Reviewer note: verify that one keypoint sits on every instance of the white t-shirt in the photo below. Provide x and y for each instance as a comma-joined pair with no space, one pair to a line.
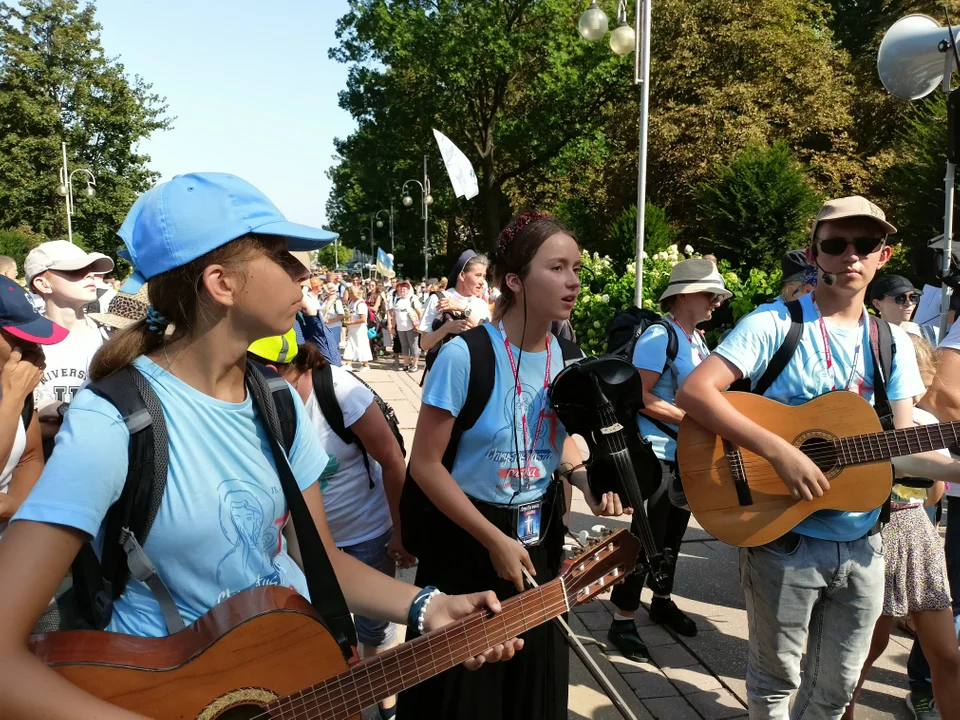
358,311
404,307
355,513
479,310
330,318
67,363
16,452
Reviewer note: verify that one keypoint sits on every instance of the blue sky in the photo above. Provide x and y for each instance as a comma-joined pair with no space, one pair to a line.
250,85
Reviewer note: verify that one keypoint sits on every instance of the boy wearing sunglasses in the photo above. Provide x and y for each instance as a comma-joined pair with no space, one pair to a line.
818,588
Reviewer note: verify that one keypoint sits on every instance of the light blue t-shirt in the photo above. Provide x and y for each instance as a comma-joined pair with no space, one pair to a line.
486,463
218,529
650,353
756,338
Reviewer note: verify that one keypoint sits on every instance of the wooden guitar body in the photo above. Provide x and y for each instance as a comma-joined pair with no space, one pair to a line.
737,496
250,650
264,653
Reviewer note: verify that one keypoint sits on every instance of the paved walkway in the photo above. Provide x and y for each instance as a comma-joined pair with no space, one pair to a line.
687,678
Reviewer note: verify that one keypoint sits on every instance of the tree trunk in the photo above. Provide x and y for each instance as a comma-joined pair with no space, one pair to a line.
491,202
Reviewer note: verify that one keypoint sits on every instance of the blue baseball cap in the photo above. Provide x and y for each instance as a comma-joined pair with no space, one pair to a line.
20,318
180,220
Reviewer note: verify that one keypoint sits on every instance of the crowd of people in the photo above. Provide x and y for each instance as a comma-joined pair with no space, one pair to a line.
215,313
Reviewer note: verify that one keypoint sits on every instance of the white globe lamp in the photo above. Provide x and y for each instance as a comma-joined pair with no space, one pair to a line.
593,23
623,39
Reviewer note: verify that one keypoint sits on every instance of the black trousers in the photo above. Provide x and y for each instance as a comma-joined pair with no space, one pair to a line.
531,686
668,523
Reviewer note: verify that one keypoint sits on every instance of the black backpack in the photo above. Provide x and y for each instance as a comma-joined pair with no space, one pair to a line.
628,325
421,522
625,329
98,583
327,399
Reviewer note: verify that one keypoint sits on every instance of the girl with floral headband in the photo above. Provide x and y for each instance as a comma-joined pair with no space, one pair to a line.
499,506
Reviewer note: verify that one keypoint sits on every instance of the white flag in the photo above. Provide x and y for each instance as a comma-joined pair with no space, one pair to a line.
462,176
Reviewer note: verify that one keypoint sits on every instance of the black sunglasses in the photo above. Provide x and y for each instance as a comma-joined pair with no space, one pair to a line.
863,245
911,297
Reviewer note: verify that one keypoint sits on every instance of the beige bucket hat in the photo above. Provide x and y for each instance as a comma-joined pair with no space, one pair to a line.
693,276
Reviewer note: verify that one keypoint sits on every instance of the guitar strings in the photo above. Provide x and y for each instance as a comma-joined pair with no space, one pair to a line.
881,441
326,698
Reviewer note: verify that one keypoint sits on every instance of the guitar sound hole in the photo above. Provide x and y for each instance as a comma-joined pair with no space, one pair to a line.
822,452
242,712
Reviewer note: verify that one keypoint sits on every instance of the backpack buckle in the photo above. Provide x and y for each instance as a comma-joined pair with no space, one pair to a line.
102,608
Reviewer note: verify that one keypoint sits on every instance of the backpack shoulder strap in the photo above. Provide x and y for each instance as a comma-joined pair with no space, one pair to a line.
673,344
286,409
26,414
483,369
881,343
327,400
129,520
326,396
569,350
325,593
783,354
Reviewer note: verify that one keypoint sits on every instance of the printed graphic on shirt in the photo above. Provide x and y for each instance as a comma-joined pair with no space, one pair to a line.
511,463
246,519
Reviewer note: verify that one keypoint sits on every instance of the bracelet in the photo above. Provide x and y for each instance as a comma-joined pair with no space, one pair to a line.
418,608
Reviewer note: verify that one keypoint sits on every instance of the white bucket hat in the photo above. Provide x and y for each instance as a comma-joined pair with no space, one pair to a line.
693,276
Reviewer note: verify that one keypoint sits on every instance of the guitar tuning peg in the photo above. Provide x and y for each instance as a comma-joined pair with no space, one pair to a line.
584,537
568,548
599,530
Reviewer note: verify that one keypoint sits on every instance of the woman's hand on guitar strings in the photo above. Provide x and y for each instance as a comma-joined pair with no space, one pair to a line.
799,473
509,557
445,609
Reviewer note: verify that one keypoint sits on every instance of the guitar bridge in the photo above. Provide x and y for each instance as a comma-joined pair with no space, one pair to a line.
738,472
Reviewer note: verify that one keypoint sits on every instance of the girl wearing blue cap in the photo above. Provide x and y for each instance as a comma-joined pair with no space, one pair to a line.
216,253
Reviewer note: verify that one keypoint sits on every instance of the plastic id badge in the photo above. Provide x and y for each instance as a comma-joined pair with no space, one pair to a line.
528,523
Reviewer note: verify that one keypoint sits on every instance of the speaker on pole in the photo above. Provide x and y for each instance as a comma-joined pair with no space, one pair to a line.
914,55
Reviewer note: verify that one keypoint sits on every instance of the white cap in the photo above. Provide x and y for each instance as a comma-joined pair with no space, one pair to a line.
63,255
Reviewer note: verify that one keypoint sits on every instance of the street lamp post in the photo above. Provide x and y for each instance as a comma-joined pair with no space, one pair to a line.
593,26
66,188
426,200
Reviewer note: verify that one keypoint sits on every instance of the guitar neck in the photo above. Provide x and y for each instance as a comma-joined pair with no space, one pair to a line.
896,443
404,666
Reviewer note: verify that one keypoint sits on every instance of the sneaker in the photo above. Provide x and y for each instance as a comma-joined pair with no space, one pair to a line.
921,707
625,638
348,368
364,368
666,612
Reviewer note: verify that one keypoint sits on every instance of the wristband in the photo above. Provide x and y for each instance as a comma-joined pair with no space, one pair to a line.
418,608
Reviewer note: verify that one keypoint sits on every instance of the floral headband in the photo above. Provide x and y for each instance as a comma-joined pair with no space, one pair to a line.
510,232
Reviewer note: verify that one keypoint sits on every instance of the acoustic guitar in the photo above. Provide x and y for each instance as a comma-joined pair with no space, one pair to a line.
264,653
737,496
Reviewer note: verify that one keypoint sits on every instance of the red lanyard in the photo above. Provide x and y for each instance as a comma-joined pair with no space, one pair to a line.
698,345
828,355
528,450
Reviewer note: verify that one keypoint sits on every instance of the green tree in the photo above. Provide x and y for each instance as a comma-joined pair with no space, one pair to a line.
758,207
329,255
18,242
510,82
57,85
658,234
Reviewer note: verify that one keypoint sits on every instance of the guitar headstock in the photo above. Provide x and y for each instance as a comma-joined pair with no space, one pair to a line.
601,565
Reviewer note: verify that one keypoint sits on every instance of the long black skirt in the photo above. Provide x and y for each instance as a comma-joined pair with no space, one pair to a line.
531,686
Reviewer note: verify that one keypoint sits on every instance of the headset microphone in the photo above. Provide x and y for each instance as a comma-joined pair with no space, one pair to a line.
828,277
